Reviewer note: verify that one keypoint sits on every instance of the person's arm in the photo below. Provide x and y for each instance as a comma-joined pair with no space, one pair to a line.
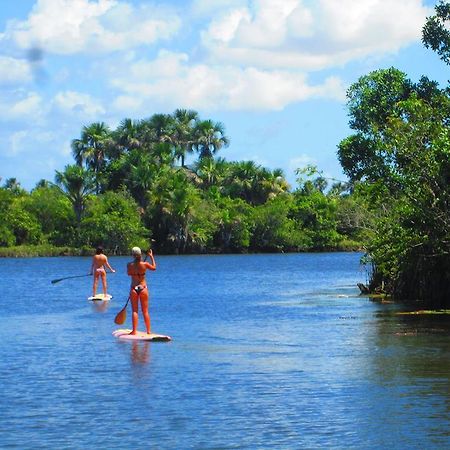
92,267
152,265
108,266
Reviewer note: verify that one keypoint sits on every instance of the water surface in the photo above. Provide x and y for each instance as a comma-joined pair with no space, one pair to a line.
268,351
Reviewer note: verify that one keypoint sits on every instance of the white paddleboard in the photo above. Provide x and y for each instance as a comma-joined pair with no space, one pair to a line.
100,298
140,336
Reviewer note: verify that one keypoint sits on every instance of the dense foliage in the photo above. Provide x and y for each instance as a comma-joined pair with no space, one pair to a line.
131,184
400,158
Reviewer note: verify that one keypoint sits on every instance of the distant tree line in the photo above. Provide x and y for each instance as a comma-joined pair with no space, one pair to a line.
129,185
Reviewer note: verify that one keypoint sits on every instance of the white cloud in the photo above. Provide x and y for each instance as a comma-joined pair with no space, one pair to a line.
127,104
14,71
72,26
20,105
311,35
71,102
172,81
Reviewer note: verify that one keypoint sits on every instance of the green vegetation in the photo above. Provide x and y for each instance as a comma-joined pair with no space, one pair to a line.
131,184
399,159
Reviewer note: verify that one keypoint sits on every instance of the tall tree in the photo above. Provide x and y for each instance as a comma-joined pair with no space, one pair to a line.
91,149
183,132
209,138
77,184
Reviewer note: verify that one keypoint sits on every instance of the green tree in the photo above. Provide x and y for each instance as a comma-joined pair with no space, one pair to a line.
7,238
113,220
54,212
401,152
274,228
77,184
435,33
209,138
91,149
184,122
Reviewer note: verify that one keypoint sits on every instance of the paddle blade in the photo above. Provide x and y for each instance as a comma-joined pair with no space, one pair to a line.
121,316
57,281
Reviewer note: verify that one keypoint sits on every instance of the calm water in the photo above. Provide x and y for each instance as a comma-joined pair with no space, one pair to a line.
268,351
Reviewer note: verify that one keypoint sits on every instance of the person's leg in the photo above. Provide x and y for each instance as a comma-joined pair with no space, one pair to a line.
94,287
134,307
144,308
104,283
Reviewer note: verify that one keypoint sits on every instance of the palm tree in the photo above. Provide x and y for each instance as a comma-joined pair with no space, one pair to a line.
141,177
157,128
211,171
209,138
90,150
183,132
13,185
128,136
77,184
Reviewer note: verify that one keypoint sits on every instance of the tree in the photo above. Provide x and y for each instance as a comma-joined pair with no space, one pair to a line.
212,171
209,138
126,137
157,128
435,33
77,184
274,229
401,152
253,183
91,149
13,185
113,220
54,212
183,132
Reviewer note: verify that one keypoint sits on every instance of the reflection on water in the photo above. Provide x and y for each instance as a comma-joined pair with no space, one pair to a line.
268,351
140,352
100,307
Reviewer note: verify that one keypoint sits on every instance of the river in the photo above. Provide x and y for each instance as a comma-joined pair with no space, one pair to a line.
268,351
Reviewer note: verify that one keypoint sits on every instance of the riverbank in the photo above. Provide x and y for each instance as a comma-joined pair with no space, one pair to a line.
29,251
46,250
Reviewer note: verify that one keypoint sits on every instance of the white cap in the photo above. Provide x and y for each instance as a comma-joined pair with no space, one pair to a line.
136,251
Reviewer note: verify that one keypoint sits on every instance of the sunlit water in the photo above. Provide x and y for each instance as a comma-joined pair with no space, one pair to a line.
268,351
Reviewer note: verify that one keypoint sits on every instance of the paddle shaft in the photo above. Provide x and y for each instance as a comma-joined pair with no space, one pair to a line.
73,276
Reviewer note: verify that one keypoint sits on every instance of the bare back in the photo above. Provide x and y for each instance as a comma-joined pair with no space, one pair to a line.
98,261
136,270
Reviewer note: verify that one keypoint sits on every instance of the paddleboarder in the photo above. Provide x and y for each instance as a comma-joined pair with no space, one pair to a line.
99,262
138,289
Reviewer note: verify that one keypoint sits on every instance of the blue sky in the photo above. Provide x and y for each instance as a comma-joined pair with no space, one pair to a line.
274,72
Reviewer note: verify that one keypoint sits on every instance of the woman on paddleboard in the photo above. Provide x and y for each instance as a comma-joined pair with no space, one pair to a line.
99,262
138,290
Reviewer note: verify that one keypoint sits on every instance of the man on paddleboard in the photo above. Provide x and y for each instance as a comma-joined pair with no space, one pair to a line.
99,262
138,290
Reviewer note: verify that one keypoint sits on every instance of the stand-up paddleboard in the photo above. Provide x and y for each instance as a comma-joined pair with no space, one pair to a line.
100,298
140,336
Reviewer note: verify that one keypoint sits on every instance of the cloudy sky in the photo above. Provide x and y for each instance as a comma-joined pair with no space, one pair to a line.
274,72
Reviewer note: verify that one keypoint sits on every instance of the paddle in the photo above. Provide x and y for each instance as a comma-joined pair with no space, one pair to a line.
66,278
122,314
